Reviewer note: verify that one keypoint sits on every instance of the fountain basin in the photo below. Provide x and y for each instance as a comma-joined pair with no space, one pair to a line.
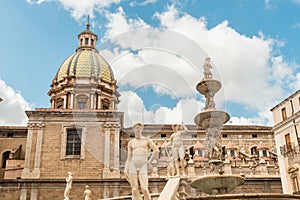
208,85
211,118
218,184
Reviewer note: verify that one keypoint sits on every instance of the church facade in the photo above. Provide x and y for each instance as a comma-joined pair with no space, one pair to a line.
82,132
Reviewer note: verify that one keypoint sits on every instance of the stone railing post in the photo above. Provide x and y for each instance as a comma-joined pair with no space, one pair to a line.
154,173
191,168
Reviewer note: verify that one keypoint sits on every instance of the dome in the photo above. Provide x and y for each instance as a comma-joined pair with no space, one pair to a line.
84,80
85,63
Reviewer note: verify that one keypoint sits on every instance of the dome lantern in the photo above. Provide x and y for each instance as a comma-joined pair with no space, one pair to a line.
87,39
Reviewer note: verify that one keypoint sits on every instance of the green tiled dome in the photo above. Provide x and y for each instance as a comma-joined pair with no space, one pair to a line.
84,80
85,63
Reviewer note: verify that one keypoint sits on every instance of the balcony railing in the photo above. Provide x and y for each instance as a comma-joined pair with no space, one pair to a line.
289,149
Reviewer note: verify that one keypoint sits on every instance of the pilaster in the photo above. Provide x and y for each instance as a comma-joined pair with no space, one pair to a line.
34,194
26,170
111,151
92,101
107,144
72,101
116,146
106,192
23,194
65,101
37,161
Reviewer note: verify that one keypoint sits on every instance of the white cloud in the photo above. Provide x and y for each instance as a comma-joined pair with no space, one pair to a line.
142,3
296,1
263,118
247,66
296,25
170,58
296,84
81,8
37,1
134,110
164,71
118,24
165,59
13,106
269,5
250,69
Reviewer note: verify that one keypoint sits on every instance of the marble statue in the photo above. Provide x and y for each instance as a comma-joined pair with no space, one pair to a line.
87,193
177,147
171,168
210,103
69,180
137,164
212,137
216,152
207,69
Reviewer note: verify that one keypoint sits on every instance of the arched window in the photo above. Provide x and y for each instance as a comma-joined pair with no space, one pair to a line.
59,103
97,100
223,151
192,151
254,151
82,101
5,156
232,152
200,153
105,104
68,98
264,153
293,172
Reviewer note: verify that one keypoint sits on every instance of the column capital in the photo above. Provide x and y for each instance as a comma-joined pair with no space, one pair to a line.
107,125
117,125
31,125
40,125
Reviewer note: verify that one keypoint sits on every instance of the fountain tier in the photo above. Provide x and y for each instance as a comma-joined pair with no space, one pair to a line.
218,184
208,86
211,118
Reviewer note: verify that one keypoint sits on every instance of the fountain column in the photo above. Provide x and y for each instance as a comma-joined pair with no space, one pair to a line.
212,120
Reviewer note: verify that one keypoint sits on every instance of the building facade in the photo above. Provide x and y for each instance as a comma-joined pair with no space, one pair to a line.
82,132
286,130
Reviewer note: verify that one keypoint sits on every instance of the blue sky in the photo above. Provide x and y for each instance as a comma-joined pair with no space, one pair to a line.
253,44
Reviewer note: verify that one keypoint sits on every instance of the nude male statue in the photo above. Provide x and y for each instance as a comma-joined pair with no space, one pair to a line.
137,164
177,147
69,180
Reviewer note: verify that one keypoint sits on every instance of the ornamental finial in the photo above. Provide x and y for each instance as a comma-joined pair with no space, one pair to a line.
88,23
